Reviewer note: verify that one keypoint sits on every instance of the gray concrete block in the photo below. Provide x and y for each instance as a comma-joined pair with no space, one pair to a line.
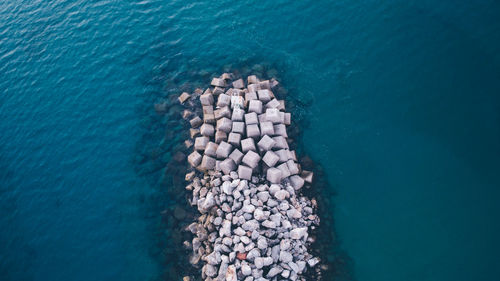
200,143
255,106
223,100
266,128
274,103
273,115
217,82
236,155
273,175
207,130
293,155
222,112
253,87
223,150
265,84
262,117
239,84
237,101
251,118
194,158
224,124
234,139
282,105
244,172
209,118
211,149
288,118
195,122
307,176
238,127
207,99
194,132
184,97
282,117
252,79
208,109
238,114
253,131
296,182
284,155
270,158
264,95
247,145
227,166
220,136
217,91
251,159
292,167
284,170
207,163
266,143
227,76
280,130
281,142
250,96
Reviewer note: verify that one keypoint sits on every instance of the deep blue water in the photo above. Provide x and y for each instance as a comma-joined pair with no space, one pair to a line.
402,98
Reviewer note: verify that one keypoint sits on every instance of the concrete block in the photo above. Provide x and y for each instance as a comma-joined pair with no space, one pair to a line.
207,99
266,128
288,118
255,106
274,83
220,136
207,130
282,105
280,130
265,84
239,84
281,142
251,159
207,163
293,155
238,114
247,145
200,143
251,118
222,112
186,114
227,166
284,170
266,143
223,100
252,79
210,149
194,158
238,127
274,103
234,139
227,76
224,124
237,101
208,109
184,97
262,118
296,182
244,172
282,117
273,115
209,118
217,165
273,175
307,176
195,122
250,96
217,82
284,155
292,167
223,150
270,158
236,155
194,132
253,131
217,91
264,95
253,88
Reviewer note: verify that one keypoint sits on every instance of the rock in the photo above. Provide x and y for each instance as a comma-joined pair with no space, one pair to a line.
259,215
260,262
255,106
237,102
273,175
223,150
210,149
225,229
307,176
284,155
244,172
294,267
227,166
213,258
296,181
238,114
239,84
312,262
292,167
250,225
248,144
288,119
284,170
280,142
206,203
194,158
252,79
209,270
274,271
266,143
224,124
241,256
269,224
200,143
195,122
251,159
253,131
236,155
231,273
234,139
207,130
281,194
274,103
184,97
262,243
298,233
285,256
248,208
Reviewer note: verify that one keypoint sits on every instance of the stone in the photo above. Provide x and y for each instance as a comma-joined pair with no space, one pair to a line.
217,91
231,273
274,103
252,79
281,194
239,127
209,270
244,172
270,158
285,256
195,122
266,143
184,97
274,271
223,150
207,99
292,167
220,136
218,82
253,131
255,106
298,233
234,139
273,115
200,143
227,76
280,130
223,100
222,112
251,159
296,182
266,128
211,149
209,118
236,155
312,262
259,215
227,166
251,118
273,175
269,224
207,130
239,84
194,158
262,243
264,95
238,114
207,163
247,145
260,262
265,84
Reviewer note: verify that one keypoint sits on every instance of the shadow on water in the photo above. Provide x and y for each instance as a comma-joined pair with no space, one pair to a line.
160,158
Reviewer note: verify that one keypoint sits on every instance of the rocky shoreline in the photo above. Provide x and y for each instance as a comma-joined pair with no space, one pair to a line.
254,223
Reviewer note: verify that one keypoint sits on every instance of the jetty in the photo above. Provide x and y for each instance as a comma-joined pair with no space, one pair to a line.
246,183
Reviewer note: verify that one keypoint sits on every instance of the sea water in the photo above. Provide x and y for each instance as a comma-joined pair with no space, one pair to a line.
400,99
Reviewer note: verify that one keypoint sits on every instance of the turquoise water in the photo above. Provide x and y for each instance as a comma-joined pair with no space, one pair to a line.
402,102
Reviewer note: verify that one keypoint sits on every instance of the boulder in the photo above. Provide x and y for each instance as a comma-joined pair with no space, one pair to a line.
253,88
298,233
223,150
307,176
284,155
194,132
251,159
288,118
224,124
250,96
244,172
265,84
211,149
284,170
194,158
273,175
293,167
255,106
251,118
252,79
234,139
264,95
239,84
200,143
266,128
236,155
280,142
253,131
207,130
208,109
209,118
270,158
227,166
238,127
184,97
266,143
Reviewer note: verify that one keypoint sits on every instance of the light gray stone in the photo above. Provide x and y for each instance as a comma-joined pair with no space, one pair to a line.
238,114
195,122
184,97
273,175
224,124
266,128
207,99
280,130
223,100
247,145
227,166
284,170
253,131
238,127
255,106
234,139
281,142
200,143
250,96
285,256
220,136
274,271
292,167
251,118
273,115
266,143
298,233
236,155
251,159
244,172
283,154
264,95
207,163
207,130
252,79
297,182
210,149
274,103
239,84
270,158
194,158
223,150
217,82
281,194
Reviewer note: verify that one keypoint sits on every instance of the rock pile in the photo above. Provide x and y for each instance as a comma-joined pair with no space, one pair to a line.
246,183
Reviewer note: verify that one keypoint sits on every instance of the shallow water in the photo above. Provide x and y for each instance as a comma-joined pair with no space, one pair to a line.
401,102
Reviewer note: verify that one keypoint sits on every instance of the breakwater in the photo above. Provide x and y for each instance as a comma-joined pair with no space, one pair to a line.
246,183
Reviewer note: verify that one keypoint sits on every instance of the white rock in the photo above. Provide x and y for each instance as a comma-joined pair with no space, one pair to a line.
285,256
297,182
281,194
298,233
